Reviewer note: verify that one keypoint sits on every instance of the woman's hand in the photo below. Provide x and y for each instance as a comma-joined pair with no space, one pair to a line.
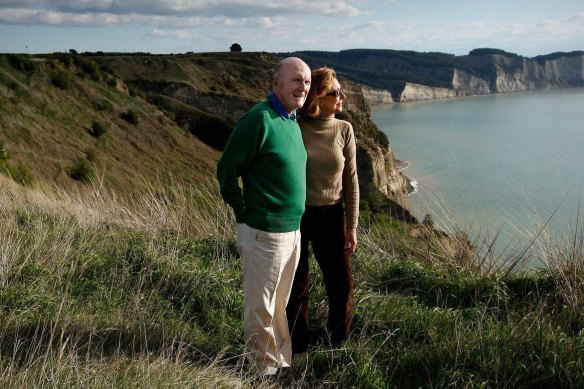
350,240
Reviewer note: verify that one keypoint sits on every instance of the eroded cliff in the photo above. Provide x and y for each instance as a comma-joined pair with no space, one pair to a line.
404,76
376,164
207,93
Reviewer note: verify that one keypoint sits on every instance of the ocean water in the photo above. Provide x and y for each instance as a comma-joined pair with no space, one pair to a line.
505,165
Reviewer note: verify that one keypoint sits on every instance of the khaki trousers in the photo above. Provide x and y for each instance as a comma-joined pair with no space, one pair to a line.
269,262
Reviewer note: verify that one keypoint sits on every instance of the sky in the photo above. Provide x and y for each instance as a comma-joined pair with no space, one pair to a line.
525,27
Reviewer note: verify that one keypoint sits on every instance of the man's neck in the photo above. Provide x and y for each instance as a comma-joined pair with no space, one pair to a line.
279,107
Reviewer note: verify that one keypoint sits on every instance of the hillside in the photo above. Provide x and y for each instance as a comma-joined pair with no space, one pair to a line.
96,293
206,93
144,291
411,76
63,121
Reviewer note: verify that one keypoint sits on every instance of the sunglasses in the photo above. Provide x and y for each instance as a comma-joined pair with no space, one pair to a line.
337,93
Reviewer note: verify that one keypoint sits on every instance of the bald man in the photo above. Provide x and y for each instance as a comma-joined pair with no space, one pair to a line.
266,150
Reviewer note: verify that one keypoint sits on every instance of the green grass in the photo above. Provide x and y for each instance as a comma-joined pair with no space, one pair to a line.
96,292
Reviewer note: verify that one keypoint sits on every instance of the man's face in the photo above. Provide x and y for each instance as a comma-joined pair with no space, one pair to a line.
291,84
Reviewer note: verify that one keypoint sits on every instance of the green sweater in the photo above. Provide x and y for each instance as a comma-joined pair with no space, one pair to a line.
267,152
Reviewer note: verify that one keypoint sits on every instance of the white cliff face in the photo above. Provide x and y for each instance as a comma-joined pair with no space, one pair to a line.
417,92
521,74
467,84
376,97
566,71
511,74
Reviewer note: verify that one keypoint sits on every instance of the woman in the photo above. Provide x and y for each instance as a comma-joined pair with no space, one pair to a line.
329,222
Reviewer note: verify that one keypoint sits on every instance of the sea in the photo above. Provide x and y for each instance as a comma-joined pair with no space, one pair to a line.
507,169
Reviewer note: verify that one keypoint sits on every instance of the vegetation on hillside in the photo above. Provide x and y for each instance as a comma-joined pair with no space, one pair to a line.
388,69
488,51
114,273
65,121
96,291
556,55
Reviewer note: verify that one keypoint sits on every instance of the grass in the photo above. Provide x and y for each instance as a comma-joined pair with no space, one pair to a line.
48,129
101,286
98,290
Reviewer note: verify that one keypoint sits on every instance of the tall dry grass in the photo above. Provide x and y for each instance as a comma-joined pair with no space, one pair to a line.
103,291
76,277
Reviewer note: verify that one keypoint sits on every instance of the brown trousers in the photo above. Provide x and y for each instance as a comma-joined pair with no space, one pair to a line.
323,227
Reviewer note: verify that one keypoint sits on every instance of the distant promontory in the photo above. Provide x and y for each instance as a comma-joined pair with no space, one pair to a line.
392,76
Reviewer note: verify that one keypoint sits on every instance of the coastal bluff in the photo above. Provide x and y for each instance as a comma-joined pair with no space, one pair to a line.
207,93
392,76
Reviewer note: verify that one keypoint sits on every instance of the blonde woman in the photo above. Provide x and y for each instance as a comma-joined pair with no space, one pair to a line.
329,223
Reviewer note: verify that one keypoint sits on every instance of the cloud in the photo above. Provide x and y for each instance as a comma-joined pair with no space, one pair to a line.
53,18
96,12
177,34
372,25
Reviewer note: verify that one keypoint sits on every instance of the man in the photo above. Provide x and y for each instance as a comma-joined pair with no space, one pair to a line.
266,150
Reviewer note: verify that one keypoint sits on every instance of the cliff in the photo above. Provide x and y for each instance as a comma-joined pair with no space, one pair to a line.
403,76
505,74
207,93
376,97
417,92
511,73
376,165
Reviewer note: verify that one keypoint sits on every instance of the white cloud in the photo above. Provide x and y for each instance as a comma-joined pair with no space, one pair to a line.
372,25
53,18
178,34
53,12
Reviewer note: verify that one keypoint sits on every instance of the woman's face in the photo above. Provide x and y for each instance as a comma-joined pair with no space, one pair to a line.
333,101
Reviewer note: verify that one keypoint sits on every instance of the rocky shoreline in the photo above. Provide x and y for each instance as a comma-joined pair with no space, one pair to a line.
412,183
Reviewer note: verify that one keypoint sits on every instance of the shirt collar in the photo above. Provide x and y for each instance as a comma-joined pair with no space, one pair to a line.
280,108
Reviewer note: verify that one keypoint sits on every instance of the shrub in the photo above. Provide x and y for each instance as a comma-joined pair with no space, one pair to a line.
61,80
89,67
20,174
65,59
22,63
428,220
102,105
130,116
97,129
132,92
81,171
112,82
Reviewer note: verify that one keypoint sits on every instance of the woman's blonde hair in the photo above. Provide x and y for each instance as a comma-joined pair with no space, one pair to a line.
321,83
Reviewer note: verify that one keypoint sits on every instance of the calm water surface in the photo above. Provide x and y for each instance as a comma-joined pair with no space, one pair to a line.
494,164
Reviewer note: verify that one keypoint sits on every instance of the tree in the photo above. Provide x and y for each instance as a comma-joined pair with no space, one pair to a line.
235,48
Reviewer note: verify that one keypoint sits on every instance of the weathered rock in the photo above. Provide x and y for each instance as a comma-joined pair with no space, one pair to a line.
376,165
495,73
376,97
467,84
417,92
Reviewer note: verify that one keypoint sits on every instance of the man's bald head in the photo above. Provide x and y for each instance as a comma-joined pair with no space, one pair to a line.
291,82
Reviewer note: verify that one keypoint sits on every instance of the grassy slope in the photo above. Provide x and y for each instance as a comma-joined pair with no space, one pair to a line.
245,75
47,128
99,290
98,293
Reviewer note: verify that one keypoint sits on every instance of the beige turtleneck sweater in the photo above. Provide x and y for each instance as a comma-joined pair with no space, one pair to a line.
331,170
